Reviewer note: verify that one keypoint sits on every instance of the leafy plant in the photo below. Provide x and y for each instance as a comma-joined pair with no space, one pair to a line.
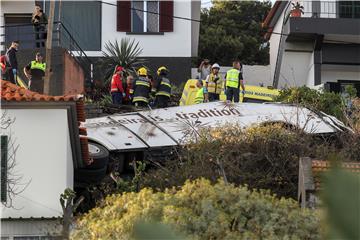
325,101
297,6
126,54
200,210
232,29
263,157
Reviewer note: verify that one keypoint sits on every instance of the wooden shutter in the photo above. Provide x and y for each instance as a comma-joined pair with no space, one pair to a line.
166,10
123,16
4,158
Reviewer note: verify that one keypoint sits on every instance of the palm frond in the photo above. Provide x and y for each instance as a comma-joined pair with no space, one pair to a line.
126,54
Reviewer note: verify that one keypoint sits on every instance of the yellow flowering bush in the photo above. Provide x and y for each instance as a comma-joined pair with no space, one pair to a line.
201,210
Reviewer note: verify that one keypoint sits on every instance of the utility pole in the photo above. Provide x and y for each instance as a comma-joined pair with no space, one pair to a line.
49,47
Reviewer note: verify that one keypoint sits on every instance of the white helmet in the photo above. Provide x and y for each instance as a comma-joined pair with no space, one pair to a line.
215,65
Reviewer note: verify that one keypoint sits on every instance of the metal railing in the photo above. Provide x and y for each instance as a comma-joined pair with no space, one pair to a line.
331,9
29,39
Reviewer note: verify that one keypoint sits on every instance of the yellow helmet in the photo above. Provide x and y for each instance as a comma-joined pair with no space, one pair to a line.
162,68
142,71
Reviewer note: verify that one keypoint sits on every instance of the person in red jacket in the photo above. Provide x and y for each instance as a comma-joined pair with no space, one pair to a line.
117,90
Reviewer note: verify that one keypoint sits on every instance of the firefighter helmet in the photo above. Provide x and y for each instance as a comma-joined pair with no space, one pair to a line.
162,69
142,71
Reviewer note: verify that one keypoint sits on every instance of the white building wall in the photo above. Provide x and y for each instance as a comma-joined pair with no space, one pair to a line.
274,45
43,158
311,74
335,75
253,74
171,44
294,69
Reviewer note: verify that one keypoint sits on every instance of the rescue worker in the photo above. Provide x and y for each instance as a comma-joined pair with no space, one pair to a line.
117,90
214,83
162,88
128,90
141,88
201,95
233,81
35,73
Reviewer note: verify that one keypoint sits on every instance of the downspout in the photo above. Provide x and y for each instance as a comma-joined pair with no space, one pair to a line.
281,48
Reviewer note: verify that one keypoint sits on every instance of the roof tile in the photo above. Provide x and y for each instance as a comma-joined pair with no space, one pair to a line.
11,92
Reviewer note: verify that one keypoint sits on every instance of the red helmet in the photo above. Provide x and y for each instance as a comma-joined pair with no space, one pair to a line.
119,68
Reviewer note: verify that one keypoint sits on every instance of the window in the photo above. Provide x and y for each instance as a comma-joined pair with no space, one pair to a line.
349,9
146,18
4,158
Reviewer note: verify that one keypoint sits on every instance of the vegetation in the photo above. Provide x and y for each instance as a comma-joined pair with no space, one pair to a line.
200,210
232,29
327,102
126,55
264,157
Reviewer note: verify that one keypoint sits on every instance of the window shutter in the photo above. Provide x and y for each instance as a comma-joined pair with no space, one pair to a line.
4,158
166,11
123,16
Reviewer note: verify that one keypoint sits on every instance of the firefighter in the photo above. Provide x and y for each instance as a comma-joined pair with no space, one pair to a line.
201,95
141,88
214,83
35,73
234,80
162,88
117,90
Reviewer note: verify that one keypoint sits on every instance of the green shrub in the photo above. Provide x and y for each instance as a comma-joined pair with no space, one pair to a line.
200,210
264,157
327,102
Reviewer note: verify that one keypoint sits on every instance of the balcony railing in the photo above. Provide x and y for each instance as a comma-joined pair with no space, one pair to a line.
61,38
331,9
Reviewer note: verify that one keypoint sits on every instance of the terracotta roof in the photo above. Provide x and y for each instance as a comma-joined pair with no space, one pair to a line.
11,92
319,167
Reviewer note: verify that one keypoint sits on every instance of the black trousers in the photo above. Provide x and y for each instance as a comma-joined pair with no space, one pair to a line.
40,36
10,76
162,101
232,94
214,97
37,85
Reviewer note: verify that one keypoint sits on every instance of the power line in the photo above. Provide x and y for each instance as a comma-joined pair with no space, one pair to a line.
156,13
197,20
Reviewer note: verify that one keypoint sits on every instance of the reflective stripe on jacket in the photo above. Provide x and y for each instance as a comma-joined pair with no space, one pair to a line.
199,98
38,65
215,86
142,88
232,78
164,88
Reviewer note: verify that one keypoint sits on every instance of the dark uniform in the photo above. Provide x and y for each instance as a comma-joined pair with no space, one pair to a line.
141,88
163,92
37,71
13,65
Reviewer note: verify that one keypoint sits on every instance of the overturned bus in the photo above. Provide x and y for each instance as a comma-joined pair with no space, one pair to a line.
136,135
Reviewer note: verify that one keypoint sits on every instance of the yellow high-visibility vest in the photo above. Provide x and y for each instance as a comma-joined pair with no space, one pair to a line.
38,65
215,86
199,96
232,78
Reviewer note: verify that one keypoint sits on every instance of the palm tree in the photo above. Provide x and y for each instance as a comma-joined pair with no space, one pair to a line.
126,55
